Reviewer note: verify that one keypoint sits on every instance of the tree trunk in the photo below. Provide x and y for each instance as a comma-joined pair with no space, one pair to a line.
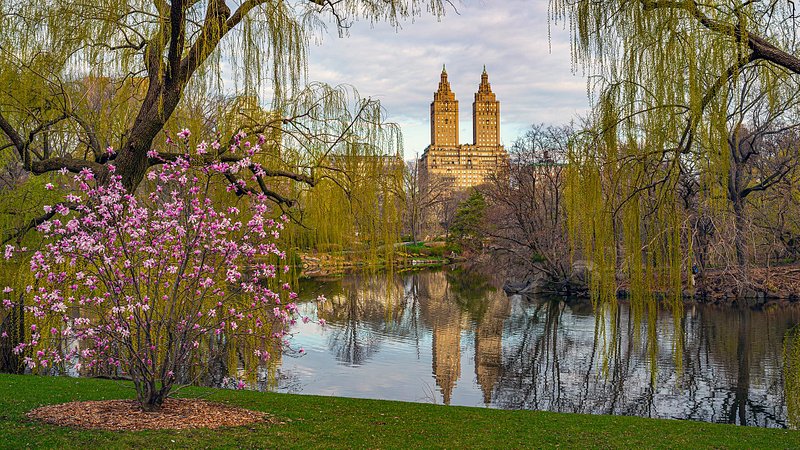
159,104
414,219
153,402
151,397
739,240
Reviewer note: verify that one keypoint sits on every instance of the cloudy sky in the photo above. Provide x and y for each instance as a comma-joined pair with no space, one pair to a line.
531,76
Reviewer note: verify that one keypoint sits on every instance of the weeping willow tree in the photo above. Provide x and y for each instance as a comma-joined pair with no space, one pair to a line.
355,199
79,77
663,69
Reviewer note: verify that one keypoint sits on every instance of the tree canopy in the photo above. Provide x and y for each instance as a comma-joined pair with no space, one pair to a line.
85,83
662,73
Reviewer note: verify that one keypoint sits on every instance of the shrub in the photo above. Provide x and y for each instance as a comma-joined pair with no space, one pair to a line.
156,286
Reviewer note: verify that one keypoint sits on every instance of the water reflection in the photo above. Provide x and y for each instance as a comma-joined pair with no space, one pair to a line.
450,337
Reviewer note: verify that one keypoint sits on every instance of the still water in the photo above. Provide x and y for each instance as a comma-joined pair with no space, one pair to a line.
449,337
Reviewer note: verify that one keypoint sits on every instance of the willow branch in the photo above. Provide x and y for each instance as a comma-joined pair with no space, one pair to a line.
94,144
215,26
762,49
176,38
687,138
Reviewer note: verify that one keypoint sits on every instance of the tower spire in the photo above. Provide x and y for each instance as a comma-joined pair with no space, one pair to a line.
444,84
485,87
485,115
444,114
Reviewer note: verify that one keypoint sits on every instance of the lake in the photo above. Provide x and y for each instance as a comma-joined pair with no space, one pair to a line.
451,337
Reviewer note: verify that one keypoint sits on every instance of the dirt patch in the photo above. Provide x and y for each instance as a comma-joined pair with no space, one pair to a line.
126,415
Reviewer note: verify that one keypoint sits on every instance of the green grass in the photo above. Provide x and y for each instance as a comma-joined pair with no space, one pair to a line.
421,249
328,422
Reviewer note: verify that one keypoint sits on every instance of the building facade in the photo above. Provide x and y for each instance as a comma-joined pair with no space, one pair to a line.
466,165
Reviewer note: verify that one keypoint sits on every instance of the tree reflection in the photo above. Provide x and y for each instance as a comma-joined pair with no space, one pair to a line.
636,357
360,311
555,361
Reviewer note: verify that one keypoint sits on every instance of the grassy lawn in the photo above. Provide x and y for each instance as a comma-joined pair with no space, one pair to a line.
327,422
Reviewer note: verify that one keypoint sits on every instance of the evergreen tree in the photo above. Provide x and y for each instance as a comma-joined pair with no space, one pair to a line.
467,223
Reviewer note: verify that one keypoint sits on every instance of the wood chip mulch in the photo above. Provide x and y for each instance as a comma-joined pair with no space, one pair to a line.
126,415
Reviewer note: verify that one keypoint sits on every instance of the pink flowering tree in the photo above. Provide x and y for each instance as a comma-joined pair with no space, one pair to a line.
152,287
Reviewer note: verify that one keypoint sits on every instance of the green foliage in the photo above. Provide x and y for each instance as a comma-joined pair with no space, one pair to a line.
666,77
421,249
466,228
116,73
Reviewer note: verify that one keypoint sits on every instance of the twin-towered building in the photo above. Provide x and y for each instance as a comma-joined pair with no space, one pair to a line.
466,164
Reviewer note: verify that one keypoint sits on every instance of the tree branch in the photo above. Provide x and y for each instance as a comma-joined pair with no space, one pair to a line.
215,26
13,136
769,181
73,165
209,159
33,223
176,38
762,49
243,189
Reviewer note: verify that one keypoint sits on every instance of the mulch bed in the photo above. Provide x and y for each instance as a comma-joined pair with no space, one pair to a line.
126,415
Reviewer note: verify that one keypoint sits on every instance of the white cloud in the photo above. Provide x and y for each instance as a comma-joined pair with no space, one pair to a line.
530,73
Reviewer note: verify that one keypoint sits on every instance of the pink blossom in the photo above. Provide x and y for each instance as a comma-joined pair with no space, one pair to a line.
123,256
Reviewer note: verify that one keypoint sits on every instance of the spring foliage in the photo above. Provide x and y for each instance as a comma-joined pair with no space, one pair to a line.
663,71
94,74
154,287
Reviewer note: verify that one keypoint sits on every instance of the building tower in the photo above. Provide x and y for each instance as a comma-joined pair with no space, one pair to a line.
485,115
444,115
467,165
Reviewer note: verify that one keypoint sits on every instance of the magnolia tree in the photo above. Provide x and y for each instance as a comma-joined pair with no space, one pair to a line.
150,287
